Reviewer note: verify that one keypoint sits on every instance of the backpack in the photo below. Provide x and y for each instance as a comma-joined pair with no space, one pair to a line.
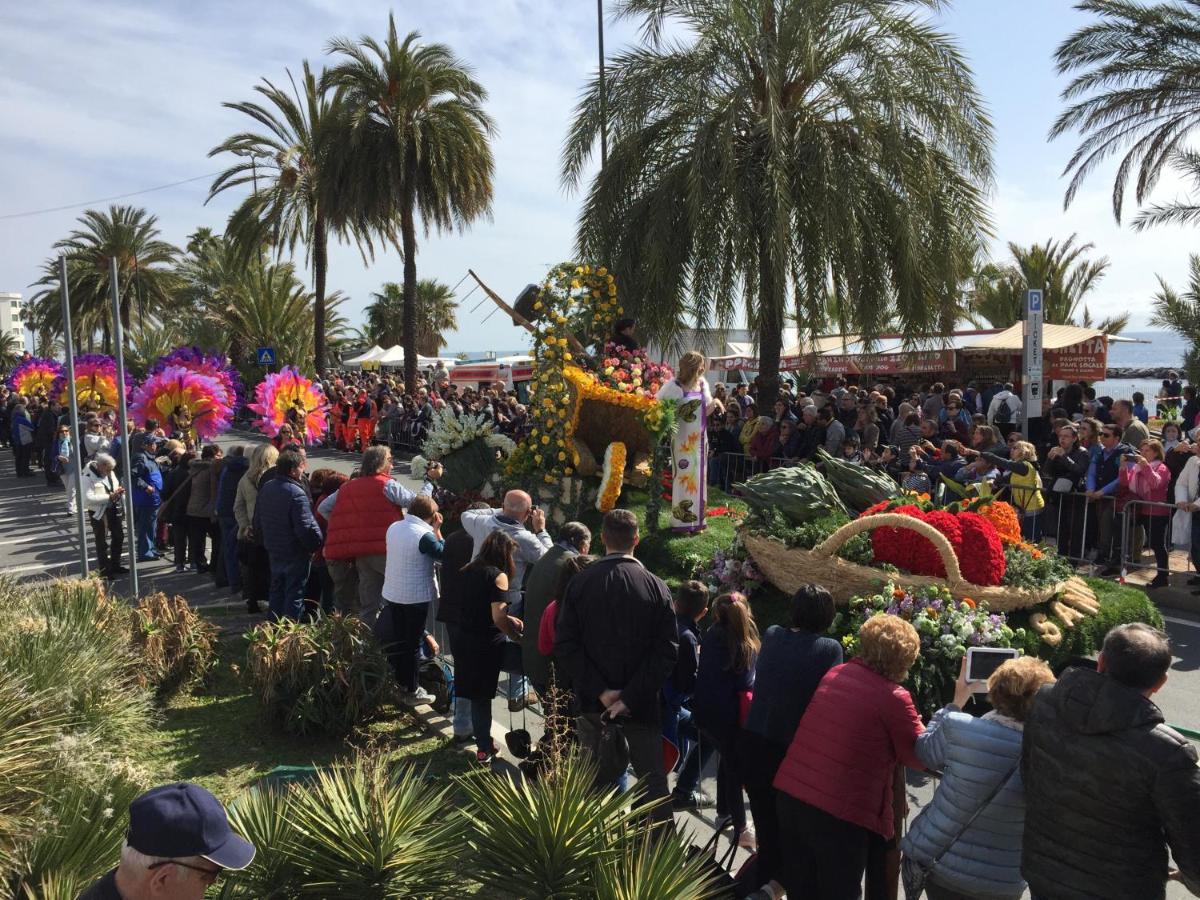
1004,413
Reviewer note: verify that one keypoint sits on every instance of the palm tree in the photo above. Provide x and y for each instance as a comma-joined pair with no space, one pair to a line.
1181,314
421,146
816,156
435,316
149,339
1063,273
1135,90
10,350
145,271
295,167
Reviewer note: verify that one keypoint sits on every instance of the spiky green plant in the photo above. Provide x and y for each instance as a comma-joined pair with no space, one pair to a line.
176,647
654,867
549,837
263,816
77,838
366,832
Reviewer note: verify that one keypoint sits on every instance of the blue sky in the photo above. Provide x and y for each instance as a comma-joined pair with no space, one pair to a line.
102,98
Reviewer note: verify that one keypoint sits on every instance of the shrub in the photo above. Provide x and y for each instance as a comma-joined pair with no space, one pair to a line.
357,831
558,837
326,677
68,642
176,647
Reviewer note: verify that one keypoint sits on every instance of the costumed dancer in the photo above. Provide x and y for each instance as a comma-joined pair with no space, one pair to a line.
366,415
286,400
689,451
200,406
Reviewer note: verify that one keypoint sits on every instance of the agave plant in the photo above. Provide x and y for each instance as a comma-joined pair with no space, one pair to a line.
365,832
263,816
652,867
552,837
77,839
176,647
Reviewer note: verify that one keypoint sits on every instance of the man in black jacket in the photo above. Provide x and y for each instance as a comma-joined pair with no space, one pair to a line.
1108,786
617,640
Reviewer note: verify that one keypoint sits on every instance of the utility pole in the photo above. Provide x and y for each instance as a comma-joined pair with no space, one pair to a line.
123,408
76,473
603,98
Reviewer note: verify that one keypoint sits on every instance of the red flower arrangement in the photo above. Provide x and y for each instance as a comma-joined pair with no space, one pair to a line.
982,563
631,371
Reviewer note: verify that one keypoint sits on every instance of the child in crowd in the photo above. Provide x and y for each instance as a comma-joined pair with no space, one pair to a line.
691,605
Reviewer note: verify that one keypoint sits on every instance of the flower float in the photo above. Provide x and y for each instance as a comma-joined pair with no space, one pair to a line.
288,397
95,382
982,563
175,395
196,360
466,446
613,477
35,375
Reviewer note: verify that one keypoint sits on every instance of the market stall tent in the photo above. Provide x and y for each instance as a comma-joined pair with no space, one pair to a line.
370,356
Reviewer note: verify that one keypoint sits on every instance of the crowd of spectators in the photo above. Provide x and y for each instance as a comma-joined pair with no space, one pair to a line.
1094,465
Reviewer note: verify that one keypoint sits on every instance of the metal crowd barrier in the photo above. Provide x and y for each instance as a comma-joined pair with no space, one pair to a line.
1133,520
727,469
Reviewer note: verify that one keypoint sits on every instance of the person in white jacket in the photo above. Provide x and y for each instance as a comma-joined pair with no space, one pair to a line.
1004,412
1185,526
94,439
102,499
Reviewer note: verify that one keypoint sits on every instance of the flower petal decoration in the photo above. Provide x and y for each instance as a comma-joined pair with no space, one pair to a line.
202,398
95,382
281,393
210,364
34,375
613,477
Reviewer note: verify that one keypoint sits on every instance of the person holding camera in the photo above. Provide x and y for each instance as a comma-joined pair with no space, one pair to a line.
967,841
1146,477
102,495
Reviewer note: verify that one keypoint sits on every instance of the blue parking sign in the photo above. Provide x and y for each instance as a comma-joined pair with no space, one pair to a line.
1035,301
266,356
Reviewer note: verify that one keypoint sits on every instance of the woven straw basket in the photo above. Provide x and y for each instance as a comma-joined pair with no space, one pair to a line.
789,567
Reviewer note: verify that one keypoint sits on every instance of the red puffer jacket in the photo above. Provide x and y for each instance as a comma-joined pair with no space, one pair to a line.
359,522
857,726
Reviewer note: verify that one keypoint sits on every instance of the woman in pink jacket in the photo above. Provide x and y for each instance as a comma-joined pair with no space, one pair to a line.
1146,477
834,788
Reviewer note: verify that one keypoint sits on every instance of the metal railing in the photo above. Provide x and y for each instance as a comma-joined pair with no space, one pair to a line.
1137,533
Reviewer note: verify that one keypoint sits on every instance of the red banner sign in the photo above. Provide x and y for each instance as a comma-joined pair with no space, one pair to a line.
1086,361
885,363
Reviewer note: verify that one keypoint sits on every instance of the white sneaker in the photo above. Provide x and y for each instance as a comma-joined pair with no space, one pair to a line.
419,697
747,840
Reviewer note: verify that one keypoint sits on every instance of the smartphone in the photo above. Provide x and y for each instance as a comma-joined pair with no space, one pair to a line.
983,661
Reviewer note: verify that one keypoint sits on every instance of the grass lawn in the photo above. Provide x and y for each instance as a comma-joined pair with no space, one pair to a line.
216,737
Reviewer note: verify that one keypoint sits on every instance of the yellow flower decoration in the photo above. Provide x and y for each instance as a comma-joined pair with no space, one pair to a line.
545,438
613,477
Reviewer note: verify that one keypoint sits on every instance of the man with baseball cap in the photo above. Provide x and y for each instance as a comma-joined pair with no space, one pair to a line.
178,844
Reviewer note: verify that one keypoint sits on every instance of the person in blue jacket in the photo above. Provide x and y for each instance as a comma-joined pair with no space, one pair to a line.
724,682
147,496
290,534
968,839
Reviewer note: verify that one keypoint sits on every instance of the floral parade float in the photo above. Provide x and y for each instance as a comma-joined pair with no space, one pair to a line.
287,397
972,550
190,393
95,383
592,408
35,375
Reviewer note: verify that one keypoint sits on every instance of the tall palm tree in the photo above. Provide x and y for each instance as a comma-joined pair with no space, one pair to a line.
1063,273
10,350
149,339
813,156
1135,90
300,193
421,145
1180,312
436,315
145,272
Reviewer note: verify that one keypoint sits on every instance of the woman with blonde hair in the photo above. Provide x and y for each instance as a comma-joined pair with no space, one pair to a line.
834,788
689,452
967,841
256,569
1024,485
724,681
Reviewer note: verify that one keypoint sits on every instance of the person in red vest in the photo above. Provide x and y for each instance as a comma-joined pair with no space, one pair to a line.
359,514
367,412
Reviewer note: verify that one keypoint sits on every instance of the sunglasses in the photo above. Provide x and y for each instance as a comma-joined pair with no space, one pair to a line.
209,876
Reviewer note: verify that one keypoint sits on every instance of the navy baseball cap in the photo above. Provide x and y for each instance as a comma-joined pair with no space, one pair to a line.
180,820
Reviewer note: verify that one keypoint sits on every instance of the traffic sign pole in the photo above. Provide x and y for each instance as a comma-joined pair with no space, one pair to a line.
1032,363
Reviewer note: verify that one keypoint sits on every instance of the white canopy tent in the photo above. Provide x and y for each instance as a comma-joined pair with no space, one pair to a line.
370,356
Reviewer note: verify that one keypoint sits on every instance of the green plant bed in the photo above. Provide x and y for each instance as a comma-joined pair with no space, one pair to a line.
1118,604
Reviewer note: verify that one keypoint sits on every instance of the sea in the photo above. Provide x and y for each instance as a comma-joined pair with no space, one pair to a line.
1153,350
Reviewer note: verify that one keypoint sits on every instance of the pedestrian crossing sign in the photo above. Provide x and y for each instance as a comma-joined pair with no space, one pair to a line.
266,356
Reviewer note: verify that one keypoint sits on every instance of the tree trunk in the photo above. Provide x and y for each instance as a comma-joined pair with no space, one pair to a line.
770,330
408,239
320,267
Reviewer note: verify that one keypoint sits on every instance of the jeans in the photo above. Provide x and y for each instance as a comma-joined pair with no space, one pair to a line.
198,529
143,522
694,751
1031,526
462,705
23,454
400,628
481,727
286,597
645,756
370,586
760,759
1156,528
229,554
